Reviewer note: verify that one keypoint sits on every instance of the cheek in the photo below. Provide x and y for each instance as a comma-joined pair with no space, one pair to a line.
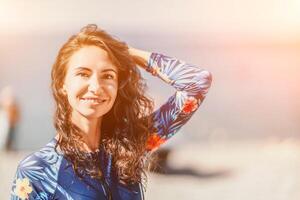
112,89
73,93
75,88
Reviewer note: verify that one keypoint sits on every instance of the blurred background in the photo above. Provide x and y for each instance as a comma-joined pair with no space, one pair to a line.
243,143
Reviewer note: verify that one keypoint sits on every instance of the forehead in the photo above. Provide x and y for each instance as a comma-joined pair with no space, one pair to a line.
91,57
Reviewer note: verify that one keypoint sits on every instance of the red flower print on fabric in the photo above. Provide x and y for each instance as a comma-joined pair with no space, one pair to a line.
154,141
190,105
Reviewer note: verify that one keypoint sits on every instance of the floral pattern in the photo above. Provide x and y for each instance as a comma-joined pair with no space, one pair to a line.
23,188
46,174
191,84
154,141
190,105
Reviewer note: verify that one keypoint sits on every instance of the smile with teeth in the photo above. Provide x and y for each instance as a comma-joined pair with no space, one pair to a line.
92,100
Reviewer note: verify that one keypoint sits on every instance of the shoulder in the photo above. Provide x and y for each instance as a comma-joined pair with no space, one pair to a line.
39,170
43,158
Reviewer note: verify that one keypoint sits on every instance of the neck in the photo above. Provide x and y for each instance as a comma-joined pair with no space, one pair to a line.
90,130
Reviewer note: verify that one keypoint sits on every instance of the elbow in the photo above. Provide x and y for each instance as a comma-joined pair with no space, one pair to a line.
207,76
204,82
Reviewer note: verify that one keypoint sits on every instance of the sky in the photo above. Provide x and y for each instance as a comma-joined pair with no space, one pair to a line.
266,19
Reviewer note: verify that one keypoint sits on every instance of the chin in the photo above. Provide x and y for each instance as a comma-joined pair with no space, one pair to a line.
93,114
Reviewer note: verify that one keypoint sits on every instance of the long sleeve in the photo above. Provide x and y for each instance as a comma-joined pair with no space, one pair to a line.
37,174
27,184
191,84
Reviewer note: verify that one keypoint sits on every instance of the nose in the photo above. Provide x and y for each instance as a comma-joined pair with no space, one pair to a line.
94,85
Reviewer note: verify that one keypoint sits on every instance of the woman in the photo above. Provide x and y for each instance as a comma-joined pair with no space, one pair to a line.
106,127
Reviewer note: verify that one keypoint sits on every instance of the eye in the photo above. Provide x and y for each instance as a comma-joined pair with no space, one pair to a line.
108,76
83,74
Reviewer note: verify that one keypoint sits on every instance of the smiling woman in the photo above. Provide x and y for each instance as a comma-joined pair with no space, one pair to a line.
106,127
92,89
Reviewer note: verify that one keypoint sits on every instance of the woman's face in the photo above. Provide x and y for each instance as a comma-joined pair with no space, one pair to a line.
91,83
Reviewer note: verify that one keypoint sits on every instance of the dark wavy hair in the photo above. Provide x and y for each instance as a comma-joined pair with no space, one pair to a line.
125,128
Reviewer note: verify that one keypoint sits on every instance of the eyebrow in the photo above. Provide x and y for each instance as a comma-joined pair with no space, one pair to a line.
105,70
88,69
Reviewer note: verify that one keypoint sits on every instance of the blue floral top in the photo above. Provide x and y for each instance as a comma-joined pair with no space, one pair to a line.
46,174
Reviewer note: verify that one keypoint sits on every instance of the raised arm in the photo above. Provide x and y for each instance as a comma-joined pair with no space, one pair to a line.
191,84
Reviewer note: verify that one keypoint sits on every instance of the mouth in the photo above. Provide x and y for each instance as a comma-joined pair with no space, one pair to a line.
93,100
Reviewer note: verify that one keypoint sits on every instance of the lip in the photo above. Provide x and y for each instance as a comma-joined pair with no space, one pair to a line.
93,100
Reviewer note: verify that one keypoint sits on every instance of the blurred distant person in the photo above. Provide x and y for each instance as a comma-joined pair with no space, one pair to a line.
105,125
9,116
